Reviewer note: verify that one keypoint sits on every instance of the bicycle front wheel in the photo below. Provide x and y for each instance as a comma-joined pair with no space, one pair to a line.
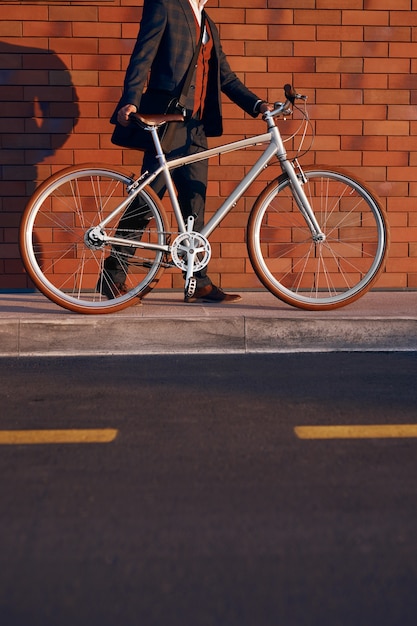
62,260
318,275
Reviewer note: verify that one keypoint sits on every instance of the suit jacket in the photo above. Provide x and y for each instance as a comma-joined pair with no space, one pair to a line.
161,57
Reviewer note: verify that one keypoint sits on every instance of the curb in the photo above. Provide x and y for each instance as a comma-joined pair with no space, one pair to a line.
234,335
31,326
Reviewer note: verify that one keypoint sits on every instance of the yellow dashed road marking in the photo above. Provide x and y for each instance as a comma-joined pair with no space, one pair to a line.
376,431
15,437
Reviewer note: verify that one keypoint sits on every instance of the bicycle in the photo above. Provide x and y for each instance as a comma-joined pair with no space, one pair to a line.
317,237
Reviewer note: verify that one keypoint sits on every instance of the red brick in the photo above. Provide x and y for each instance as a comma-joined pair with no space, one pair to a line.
13,12
339,65
376,33
362,112
342,4
103,62
318,17
386,4
74,46
341,96
251,64
385,158
402,81
77,13
230,16
110,13
97,29
340,33
386,96
403,18
402,112
365,143
266,16
290,4
364,81
387,65
244,31
374,18
403,50
269,49
386,128
293,33
10,29
289,65
47,29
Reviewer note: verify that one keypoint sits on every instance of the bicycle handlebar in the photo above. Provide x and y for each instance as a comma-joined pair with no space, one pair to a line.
284,108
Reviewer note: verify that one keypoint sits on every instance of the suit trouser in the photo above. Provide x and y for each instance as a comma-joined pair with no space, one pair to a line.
190,182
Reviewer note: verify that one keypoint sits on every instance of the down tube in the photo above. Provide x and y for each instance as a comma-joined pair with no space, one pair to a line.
232,200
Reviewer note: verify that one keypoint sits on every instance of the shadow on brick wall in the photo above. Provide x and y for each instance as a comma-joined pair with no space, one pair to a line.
38,111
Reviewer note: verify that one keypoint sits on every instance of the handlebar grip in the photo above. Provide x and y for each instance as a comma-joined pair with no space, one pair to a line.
291,94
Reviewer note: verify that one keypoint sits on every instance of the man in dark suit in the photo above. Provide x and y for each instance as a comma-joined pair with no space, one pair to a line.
168,36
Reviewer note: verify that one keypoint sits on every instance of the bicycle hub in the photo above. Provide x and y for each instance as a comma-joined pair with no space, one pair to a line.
94,238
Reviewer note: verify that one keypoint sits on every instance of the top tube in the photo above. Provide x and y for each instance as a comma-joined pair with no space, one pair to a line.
222,149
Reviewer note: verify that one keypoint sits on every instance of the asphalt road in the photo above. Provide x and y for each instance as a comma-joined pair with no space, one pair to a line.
204,507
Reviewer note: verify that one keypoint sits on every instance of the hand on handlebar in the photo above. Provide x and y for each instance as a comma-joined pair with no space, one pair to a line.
124,112
264,107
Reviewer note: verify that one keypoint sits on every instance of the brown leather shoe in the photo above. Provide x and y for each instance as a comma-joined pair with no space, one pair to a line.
211,293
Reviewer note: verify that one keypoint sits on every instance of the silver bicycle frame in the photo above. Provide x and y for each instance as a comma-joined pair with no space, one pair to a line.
275,147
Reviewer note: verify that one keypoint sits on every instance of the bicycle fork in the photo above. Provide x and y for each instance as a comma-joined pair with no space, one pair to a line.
297,180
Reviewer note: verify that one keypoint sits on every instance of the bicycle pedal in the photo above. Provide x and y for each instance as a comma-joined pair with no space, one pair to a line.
190,288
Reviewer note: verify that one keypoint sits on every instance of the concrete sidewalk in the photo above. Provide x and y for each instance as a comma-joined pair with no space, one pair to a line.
30,325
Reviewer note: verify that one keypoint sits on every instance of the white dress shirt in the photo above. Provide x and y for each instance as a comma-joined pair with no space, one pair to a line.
197,6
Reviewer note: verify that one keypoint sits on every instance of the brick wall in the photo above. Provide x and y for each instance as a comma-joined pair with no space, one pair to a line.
62,65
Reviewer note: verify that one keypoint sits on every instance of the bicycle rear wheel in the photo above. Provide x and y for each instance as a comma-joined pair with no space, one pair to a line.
318,275
59,257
